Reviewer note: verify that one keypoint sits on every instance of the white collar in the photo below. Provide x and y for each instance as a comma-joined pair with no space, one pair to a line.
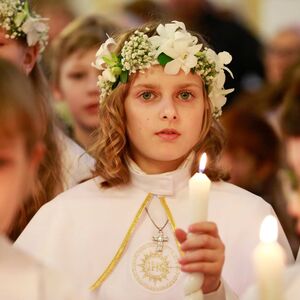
166,184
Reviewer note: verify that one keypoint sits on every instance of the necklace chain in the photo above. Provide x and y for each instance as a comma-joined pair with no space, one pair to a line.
159,228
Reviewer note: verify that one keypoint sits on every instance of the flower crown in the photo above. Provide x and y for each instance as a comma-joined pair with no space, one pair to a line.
174,48
17,20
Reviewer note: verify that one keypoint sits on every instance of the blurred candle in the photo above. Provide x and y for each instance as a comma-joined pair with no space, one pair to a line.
199,188
269,261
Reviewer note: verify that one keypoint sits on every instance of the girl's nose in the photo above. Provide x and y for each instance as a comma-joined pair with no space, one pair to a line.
168,111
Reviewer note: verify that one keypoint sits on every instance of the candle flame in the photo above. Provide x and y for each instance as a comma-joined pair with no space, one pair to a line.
269,229
202,164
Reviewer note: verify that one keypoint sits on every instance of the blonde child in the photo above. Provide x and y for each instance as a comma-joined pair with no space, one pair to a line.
161,92
22,44
21,150
23,37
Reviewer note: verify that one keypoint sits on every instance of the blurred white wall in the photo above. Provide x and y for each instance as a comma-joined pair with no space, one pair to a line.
262,16
278,13
265,16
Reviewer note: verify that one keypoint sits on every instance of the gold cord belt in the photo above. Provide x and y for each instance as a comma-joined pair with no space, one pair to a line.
128,235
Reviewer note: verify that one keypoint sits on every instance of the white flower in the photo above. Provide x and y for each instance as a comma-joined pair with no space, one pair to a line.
184,57
104,51
34,28
174,41
217,93
221,59
107,75
165,33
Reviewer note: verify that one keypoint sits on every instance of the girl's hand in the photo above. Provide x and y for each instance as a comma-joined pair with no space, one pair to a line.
204,252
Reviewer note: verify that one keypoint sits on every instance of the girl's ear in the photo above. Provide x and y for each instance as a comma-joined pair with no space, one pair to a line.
36,157
30,58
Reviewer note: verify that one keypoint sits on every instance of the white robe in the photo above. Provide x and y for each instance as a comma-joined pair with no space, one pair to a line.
291,286
77,164
21,277
81,230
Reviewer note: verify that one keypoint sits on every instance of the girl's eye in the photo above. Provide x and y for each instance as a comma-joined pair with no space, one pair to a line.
147,95
185,95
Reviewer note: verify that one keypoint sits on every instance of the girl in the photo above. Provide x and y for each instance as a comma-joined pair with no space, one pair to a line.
161,91
21,150
21,44
23,37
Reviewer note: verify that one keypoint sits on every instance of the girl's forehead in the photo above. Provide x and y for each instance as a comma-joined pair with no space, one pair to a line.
156,75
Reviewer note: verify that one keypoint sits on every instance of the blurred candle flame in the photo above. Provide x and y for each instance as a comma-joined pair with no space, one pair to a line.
202,163
269,230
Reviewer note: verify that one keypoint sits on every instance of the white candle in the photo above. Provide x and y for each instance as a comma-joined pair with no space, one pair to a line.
269,261
199,187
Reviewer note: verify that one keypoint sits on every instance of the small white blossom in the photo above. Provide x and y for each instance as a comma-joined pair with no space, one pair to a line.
137,53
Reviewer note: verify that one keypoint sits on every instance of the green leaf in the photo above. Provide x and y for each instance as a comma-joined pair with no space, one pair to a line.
114,57
20,18
26,7
163,59
116,71
107,60
124,76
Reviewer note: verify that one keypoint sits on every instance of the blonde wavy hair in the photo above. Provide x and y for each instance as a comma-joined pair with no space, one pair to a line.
112,148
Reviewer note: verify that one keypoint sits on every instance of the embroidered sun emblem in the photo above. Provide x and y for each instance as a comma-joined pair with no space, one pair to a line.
155,271
155,267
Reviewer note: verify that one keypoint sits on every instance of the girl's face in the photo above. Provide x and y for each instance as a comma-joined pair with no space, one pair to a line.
16,175
164,118
281,54
241,165
78,87
292,152
15,52
294,211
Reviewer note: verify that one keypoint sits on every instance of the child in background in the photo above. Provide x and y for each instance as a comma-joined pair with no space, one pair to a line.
290,128
252,156
161,92
21,150
22,43
74,80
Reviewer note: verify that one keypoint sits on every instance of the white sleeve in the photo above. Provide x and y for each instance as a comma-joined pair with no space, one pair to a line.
224,292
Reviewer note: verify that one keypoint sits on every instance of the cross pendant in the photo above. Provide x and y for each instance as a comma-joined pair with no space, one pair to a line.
160,239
